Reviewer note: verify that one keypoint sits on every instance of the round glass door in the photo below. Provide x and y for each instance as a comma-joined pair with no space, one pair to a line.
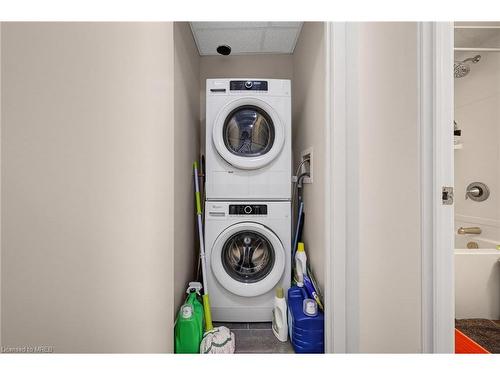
248,131
247,259
247,256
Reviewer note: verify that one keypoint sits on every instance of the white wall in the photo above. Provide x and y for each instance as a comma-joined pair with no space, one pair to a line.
87,165
389,273
308,98
477,113
186,150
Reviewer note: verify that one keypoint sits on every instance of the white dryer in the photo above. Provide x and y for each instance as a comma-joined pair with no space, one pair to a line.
248,247
248,139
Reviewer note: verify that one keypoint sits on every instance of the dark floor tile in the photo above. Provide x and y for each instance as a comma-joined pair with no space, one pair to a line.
260,341
260,325
232,325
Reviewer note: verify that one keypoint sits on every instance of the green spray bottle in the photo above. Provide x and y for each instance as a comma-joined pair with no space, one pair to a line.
189,322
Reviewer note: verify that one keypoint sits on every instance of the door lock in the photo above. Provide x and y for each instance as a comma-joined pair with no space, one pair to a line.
447,195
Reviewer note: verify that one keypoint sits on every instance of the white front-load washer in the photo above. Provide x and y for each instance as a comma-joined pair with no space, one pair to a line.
248,139
247,247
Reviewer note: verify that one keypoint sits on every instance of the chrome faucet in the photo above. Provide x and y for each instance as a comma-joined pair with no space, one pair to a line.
469,230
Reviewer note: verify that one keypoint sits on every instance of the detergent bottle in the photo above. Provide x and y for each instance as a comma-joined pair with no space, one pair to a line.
280,326
189,324
306,322
300,264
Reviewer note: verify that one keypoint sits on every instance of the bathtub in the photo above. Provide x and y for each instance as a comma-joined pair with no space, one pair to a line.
477,279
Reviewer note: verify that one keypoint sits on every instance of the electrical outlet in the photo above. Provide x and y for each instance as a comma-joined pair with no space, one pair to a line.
308,165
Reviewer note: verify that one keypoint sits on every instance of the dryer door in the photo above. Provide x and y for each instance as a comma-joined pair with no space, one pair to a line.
248,133
248,259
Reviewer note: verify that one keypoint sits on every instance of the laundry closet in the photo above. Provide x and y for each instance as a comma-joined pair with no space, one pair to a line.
279,59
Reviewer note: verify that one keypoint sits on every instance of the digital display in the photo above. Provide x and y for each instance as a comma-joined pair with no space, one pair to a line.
247,209
248,85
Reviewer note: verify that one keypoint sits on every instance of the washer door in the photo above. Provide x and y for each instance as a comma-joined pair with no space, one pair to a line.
248,259
248,133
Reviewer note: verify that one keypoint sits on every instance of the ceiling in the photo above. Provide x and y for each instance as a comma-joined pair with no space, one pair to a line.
246,37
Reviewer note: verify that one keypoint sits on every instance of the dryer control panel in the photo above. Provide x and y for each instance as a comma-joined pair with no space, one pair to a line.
248,85
247,209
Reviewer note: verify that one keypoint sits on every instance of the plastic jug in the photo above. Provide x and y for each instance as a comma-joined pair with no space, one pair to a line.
279,325
189,325
306,324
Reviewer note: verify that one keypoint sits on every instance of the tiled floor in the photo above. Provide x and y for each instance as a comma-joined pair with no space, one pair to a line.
256,338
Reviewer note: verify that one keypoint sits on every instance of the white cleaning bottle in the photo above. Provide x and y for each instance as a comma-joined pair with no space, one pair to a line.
280,326
300,264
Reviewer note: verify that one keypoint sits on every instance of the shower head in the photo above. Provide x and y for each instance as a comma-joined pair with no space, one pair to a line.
462,68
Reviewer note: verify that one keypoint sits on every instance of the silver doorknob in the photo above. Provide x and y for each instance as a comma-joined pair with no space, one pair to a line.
477,191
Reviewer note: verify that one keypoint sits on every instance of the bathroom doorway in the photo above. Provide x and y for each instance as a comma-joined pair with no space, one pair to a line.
477,182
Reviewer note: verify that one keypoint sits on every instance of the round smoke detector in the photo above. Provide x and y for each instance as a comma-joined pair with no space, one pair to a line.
224,49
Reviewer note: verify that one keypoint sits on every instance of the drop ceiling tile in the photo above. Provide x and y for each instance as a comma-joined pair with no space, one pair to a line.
241,41
280,40
227,25
285,24
246,37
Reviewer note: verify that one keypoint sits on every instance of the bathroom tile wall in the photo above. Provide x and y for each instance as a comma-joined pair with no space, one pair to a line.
477,113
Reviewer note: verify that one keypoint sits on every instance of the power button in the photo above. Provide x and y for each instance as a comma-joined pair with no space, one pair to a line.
248,209
248,84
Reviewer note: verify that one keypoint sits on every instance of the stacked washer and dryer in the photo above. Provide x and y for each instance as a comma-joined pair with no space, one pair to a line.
248,194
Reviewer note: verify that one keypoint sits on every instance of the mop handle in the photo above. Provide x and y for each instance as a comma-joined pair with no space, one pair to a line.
206,301
197,189
200,227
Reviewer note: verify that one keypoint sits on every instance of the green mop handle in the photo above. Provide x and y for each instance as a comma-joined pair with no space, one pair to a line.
206,300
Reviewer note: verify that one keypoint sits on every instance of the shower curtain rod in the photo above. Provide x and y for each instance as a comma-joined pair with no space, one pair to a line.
479,49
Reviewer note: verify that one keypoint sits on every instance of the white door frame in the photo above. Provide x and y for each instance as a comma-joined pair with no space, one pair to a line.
335,202
341,202
437,171
435,78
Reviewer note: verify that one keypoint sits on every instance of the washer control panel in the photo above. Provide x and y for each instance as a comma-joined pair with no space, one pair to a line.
248,85
247,209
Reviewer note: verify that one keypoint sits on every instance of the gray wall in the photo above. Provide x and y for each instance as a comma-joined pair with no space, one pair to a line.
87,164
309,119
186,150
